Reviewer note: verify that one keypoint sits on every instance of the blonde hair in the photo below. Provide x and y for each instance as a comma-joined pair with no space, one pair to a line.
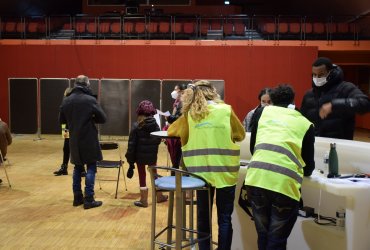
194,99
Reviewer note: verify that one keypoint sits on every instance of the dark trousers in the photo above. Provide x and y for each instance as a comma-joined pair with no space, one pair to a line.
66,152
89,179
225,206
274,216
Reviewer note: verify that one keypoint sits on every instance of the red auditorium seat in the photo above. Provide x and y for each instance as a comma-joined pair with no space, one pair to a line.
10,27
307,28
204,27
67,26
318,28
216,25
115,27
140,28
343,28
177,28
128,27
91,28
269,28
294,28
189,28
153,27
104,28
283,28
331,28
32,27
164,27
239,28
228,29
20,27
80,27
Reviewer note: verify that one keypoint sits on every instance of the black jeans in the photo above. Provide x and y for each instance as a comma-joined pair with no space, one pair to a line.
66,151
225,207
274,216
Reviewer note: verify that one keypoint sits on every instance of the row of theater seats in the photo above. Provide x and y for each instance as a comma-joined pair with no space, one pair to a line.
315,29
184,29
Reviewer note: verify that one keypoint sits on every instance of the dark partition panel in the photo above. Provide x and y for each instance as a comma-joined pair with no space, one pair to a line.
114,99
144,89
23,105
51,96
219,85
167,87
94,85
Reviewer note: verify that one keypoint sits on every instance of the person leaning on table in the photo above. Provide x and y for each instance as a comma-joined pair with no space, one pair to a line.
282,147
208,129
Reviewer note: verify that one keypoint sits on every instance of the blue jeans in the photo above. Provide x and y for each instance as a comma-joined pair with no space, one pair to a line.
274,217
89,179
225,206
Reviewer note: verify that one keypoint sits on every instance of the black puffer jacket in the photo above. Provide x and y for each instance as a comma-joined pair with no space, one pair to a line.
346,100
143,148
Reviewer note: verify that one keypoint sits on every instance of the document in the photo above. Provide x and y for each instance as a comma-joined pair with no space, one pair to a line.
167,113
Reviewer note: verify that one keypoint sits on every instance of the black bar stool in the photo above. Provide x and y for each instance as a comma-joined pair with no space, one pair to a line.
176,186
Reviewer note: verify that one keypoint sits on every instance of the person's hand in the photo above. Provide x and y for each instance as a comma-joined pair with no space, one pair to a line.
325,110
130,171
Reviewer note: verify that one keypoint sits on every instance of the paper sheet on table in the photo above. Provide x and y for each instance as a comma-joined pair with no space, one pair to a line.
167,113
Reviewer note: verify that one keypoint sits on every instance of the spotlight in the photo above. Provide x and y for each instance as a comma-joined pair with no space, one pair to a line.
227,2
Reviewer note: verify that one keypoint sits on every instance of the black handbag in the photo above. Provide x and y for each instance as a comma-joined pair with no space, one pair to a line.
244,203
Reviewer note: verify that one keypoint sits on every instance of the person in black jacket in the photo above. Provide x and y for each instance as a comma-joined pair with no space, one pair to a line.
143,149
174,144
81,112
332,103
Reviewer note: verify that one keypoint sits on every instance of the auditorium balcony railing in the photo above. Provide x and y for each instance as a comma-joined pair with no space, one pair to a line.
186,27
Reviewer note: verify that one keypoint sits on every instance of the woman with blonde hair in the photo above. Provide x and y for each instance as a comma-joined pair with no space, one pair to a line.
208,129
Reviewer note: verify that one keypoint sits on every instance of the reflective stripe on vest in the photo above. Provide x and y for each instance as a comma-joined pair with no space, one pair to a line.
276,169
279,149
211,151
216,169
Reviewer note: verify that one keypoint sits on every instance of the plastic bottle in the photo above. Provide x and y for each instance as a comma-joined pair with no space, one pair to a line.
326,163
340,217
333,161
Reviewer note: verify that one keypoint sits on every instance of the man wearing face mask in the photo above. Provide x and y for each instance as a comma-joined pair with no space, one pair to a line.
332,103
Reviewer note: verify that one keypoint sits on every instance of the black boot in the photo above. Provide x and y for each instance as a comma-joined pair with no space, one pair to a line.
78,199
62,170
90,202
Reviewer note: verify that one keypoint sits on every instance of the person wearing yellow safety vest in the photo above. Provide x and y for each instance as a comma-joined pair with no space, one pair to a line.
208,129
282,147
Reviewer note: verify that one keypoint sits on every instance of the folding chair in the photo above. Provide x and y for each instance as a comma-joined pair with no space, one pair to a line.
118,163
2,163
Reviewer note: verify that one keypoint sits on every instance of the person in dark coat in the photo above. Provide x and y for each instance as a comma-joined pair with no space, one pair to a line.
143,149
332,103
81,112
174,144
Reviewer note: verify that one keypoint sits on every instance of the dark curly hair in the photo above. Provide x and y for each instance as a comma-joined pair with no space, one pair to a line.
282,95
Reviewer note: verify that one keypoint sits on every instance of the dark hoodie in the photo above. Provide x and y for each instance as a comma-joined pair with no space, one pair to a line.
142,147
346,99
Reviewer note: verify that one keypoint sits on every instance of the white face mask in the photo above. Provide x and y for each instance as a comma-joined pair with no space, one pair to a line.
319,81
174,94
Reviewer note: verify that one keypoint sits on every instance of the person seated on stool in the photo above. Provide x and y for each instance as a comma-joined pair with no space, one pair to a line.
208,129
142,149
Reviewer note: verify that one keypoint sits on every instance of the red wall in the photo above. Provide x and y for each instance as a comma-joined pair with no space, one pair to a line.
245,69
